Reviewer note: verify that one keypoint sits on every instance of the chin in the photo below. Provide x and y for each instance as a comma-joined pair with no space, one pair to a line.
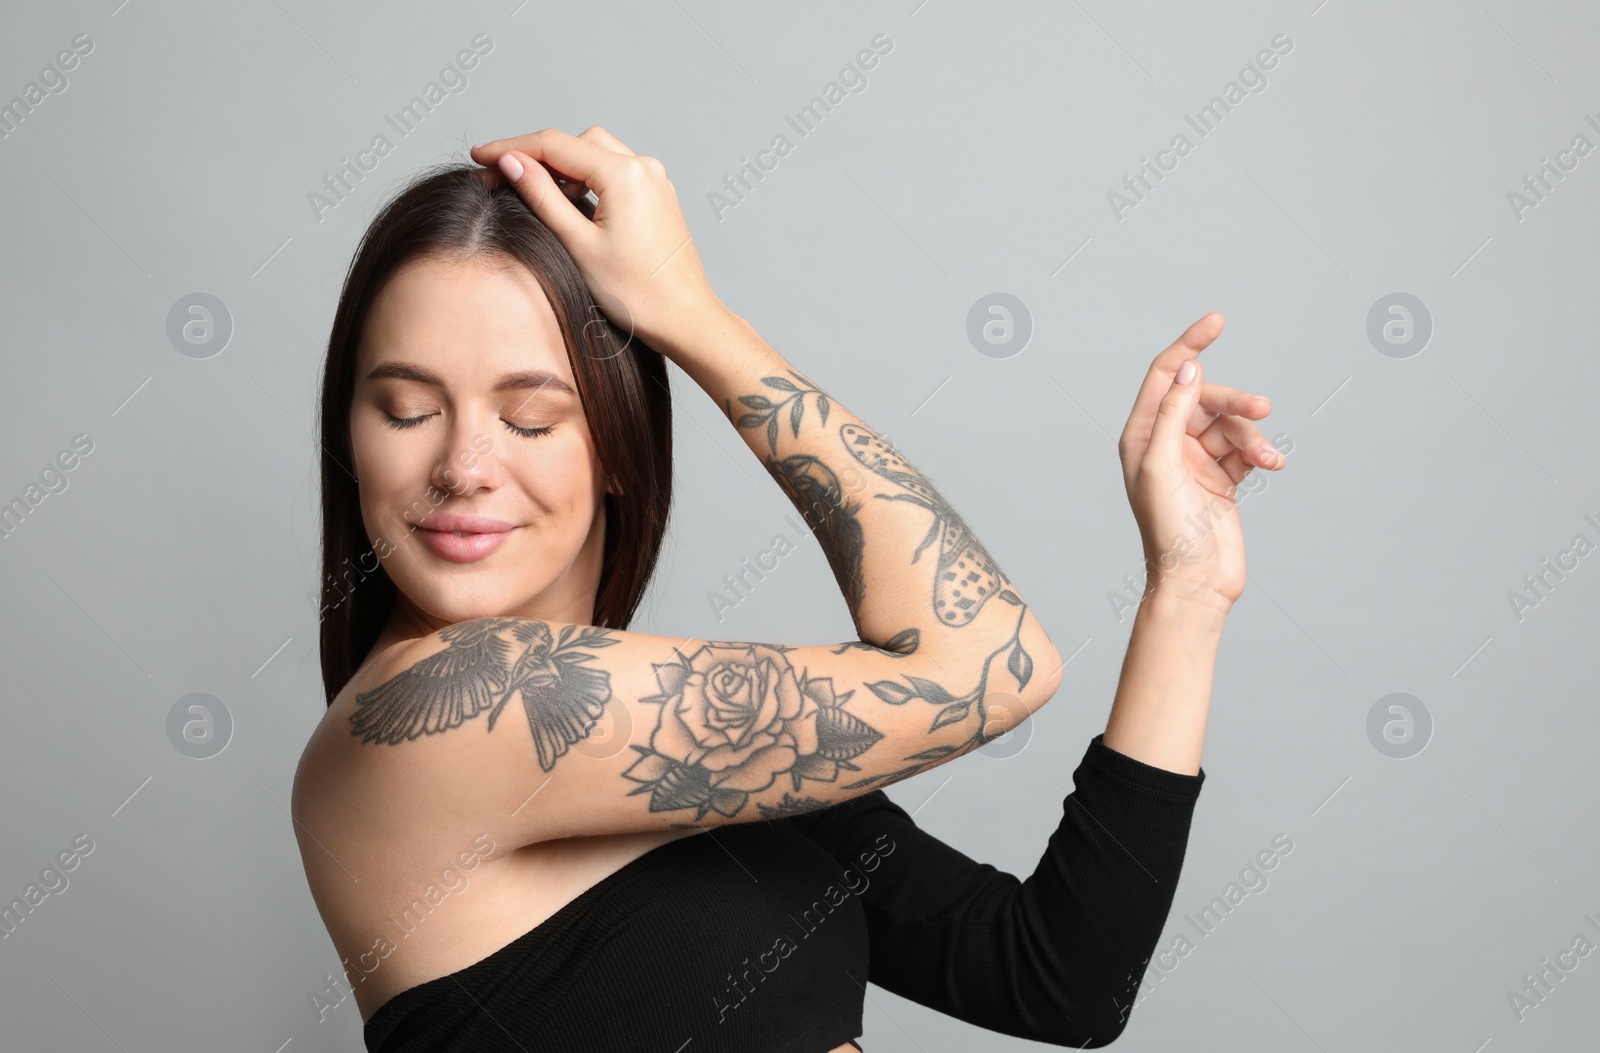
451,605
455,592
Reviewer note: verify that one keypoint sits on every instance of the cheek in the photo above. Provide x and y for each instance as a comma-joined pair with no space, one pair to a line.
561,478
374,462
391,481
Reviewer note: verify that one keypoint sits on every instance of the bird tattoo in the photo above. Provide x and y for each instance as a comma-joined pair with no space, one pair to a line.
561,697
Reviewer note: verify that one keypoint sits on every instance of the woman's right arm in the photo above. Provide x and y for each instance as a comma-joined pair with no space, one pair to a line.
909,566
634,732
544,730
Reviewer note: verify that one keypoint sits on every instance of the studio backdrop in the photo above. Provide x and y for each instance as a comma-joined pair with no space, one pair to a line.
975,223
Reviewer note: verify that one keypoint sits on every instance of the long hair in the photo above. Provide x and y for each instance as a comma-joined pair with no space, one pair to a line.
447,211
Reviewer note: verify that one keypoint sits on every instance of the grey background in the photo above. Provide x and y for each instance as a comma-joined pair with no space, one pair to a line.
1420,490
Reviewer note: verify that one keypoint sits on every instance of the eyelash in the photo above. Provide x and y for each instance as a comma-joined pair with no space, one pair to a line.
411,422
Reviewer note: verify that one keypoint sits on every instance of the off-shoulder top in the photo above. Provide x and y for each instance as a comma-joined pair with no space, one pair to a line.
763,935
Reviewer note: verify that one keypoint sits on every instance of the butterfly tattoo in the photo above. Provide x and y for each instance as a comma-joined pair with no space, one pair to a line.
967,576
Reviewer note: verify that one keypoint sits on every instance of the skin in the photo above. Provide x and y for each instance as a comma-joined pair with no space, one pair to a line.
1186,446
469,323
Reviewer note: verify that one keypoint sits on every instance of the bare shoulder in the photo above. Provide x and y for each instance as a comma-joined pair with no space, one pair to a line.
352,791
533,730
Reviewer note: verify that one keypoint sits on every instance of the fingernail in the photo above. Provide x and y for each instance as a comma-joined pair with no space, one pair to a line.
511,167
1186,371
480,146
1269,453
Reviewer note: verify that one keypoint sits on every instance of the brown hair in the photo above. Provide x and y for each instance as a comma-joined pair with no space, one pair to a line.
448,211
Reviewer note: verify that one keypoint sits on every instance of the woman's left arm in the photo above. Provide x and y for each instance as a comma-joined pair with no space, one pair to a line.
1055,957
1185,448
1164,694
1059,957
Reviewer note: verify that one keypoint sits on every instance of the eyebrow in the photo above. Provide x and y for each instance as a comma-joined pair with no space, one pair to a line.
529,378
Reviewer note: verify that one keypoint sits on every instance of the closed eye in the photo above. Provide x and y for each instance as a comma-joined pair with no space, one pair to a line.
412,422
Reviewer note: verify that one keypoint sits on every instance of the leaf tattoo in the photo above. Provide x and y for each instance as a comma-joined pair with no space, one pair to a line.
768,411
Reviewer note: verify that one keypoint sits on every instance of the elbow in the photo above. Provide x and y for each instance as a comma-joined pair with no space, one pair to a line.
1088,1022
1005,713
1101,1033
1107,1032
1047,668
1054,675
1044,681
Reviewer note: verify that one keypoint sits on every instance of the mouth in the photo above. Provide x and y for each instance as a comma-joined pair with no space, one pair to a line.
458,524
462,539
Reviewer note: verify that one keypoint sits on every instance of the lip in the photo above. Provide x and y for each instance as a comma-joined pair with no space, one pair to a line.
462,539
470,524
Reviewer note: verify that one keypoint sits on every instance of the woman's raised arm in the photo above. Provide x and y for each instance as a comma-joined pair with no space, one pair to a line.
634,732
911,570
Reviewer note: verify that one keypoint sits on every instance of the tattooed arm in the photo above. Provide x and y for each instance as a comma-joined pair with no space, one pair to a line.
632,732
906,561
618,732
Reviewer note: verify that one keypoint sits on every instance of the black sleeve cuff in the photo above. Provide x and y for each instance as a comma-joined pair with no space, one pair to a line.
1156,781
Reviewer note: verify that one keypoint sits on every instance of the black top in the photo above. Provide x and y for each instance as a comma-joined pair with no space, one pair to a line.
761,936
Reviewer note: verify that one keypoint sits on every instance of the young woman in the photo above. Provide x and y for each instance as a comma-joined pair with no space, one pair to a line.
528,828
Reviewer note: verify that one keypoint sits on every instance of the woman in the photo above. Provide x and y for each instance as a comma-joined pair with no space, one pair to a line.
676,844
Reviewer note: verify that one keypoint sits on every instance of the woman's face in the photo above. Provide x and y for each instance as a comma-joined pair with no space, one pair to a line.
481,489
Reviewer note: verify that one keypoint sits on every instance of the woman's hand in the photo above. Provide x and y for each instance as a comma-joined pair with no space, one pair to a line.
1185,448
636,255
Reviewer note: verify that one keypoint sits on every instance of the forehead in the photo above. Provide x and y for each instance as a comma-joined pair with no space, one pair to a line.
468,321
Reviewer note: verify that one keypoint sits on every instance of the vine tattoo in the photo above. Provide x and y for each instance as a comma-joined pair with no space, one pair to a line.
953,709
767,411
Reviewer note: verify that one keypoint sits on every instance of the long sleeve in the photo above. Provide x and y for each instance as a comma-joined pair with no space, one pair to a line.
1057,957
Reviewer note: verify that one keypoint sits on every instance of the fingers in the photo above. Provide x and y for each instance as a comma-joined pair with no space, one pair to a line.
538,188
494,179
1217,401
1167,434
1158,379
577,188
1235,467
566,155
1194,340
1218,398
1229,434
607,140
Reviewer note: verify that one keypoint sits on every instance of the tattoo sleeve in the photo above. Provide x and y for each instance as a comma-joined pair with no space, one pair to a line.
948,655
744,730
904,559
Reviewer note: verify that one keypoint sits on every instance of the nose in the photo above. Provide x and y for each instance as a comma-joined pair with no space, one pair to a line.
466,463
